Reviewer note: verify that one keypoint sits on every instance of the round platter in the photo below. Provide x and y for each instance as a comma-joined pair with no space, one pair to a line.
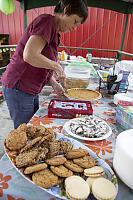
82,94
58,190
80,121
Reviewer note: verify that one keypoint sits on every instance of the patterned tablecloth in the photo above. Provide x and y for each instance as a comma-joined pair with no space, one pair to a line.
13,186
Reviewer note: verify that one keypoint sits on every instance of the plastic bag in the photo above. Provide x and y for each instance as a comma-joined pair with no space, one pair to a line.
112,85
84,64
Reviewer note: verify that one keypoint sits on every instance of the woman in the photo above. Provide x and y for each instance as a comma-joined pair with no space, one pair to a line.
34,60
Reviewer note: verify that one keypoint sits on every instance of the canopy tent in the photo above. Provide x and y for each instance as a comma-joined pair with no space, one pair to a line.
121,6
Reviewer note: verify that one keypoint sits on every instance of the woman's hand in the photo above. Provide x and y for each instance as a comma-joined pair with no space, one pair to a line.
56,86
60,73
58,89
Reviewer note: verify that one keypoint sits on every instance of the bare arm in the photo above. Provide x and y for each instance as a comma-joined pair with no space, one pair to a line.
32,55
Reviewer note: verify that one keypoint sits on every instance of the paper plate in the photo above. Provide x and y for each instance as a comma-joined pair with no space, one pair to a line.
122,97
82,94
58,190
68,130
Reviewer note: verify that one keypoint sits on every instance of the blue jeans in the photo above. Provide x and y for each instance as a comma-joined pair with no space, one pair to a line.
22,106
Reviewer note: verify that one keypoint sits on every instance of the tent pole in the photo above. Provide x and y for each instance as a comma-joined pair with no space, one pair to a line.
24,15
123,35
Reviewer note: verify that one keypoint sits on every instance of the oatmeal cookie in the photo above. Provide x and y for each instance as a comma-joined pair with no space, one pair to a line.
64,146
45,178
42,152
31,132
35,168
54,149
61,171
46,143
72,166
58,147
31,144
15,140
46,140
49,131
40,130
76,153
85,162
45,132
36,131
56,161
22,127
27,158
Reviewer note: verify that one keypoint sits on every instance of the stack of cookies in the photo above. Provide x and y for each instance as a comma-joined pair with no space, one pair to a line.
49,162
101,188
77,188
56,169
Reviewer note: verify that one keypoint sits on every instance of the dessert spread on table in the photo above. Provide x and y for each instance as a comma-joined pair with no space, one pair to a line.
49,162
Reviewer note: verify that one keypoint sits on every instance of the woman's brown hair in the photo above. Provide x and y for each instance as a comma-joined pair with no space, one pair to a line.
77,7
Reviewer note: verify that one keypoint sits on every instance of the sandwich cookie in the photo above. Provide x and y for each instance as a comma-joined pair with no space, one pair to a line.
90,181
103,189
94,171
77,188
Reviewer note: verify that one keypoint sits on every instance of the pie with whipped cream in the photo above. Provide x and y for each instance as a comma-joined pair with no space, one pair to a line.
82,94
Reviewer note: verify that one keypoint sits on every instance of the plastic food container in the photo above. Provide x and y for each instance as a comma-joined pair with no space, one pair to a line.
77,77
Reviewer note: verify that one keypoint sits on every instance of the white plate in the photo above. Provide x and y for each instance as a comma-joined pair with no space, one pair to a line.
67,130
57,190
